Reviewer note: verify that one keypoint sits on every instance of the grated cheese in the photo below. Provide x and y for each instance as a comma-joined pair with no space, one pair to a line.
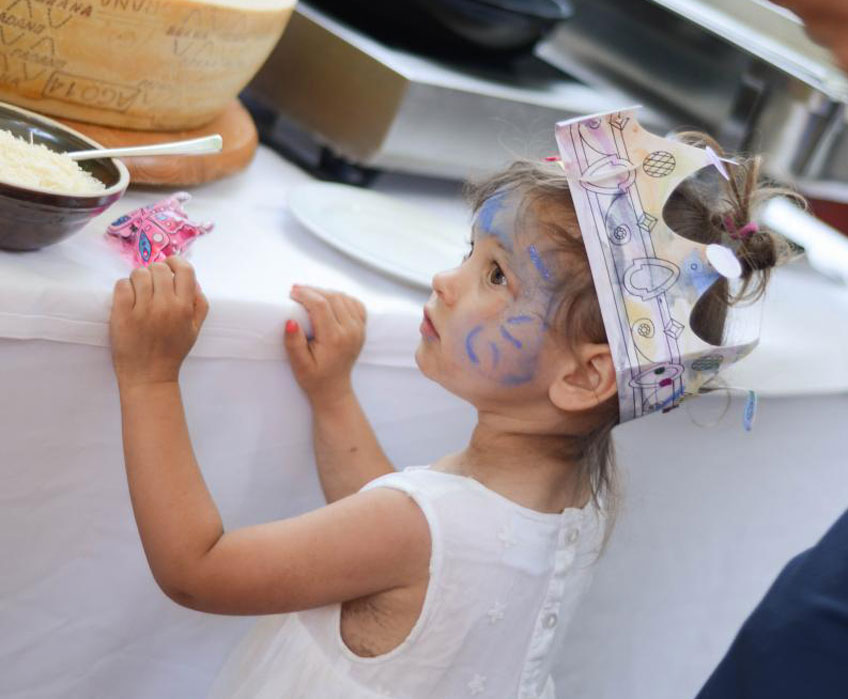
34,165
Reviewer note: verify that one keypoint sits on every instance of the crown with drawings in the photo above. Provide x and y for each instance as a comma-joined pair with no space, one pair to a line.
648,278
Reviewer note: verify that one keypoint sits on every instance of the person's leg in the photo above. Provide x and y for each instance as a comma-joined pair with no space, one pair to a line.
795,643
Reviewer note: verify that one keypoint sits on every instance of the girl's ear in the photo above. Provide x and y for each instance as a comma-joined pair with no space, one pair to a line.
586,381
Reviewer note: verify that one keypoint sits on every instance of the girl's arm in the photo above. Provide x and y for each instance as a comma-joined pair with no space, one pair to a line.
364,544
346,450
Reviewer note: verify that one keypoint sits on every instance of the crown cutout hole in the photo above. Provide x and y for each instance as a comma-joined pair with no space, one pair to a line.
724,261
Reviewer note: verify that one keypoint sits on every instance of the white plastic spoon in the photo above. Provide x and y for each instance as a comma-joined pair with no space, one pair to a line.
195,146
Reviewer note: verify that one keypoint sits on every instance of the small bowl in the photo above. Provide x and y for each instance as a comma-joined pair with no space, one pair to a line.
30,217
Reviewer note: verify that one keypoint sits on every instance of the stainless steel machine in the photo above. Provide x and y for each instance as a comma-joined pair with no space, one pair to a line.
347,104
744,70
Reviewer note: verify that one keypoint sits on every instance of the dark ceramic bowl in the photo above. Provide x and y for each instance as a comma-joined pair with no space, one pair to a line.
31,218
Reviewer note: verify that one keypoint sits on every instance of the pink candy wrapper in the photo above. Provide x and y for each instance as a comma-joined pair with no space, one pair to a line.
154,232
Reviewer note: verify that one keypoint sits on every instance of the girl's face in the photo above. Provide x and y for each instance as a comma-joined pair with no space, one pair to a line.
486,326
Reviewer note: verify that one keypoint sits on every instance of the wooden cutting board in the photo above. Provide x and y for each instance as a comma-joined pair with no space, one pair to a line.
234,124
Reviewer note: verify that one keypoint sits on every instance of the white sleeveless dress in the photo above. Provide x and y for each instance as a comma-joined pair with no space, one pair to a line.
504,582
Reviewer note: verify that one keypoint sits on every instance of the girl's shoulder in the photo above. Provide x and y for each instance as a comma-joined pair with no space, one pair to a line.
434,488
421,479
433,484
479,535
465,514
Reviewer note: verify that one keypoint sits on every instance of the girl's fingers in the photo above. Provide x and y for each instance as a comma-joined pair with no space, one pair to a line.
123,297
163,280
297,348
324,321
353,322
356,307
330,296
201,307
330,311
340,309
185,282
142,284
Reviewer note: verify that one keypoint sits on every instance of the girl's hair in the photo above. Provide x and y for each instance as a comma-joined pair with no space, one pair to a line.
705,208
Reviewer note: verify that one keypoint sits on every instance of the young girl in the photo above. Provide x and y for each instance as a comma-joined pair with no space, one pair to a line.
451,580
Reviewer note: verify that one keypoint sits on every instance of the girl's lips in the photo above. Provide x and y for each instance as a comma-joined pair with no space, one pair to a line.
427,328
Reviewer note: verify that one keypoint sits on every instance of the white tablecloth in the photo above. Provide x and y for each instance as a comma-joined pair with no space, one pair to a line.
710,514
246,267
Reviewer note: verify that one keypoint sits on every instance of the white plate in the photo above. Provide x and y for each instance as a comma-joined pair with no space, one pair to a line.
402,240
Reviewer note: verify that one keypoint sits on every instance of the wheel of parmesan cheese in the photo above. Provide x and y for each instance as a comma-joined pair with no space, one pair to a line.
155,65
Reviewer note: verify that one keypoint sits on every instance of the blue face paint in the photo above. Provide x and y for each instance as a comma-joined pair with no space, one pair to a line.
517,379
469,344
507,336
505,346
496,207
538,264
496,355
510,360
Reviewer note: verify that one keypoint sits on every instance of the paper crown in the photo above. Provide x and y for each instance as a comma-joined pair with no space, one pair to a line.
647,277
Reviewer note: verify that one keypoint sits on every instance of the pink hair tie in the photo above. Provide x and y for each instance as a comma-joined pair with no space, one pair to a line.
746,231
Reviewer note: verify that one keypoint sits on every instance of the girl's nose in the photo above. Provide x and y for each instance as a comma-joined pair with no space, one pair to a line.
444,284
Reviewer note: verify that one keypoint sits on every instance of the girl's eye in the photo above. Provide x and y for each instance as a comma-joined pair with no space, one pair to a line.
496,276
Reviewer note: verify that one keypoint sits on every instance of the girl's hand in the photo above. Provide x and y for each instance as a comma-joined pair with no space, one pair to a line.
323,364
156,317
